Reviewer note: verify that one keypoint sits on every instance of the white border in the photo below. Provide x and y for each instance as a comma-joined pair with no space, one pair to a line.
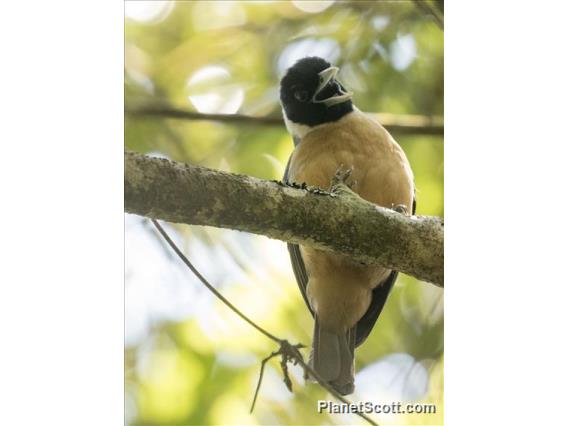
61,274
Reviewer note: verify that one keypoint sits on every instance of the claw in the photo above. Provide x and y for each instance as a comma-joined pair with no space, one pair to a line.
342,176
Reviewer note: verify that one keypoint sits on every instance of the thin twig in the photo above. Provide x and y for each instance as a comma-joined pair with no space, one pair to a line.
287,356
288,351
396,123
261,375
429,10
209,286
179,113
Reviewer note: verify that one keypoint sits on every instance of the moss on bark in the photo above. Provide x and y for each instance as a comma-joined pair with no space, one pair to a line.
341,222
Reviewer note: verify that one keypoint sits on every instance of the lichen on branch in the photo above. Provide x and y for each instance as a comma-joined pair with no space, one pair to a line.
341,223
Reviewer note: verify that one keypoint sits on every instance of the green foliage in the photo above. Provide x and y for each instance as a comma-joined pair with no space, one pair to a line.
188,359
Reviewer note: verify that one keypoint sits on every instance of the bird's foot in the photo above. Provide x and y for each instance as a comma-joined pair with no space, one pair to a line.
342,176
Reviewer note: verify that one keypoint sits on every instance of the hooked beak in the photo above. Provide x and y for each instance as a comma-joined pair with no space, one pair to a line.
325,77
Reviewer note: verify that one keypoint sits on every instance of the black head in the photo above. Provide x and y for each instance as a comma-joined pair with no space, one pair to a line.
311,95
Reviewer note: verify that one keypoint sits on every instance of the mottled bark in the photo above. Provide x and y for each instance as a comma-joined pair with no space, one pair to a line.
339,222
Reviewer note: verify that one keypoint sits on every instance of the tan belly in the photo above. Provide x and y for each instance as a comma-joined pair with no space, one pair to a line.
339,290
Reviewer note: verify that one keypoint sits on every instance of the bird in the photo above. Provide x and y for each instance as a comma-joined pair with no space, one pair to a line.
331,138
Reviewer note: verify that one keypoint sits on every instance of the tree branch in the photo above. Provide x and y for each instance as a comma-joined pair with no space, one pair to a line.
339,222
429,10
399,124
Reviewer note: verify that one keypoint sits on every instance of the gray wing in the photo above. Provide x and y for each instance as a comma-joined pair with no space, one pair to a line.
296,257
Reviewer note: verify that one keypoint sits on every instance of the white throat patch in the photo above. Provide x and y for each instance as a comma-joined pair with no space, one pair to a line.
300,130
296,129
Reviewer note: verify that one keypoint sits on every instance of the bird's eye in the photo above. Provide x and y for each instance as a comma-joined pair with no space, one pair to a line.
301,95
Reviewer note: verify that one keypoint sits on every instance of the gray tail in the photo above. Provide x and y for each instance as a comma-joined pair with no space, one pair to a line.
332,357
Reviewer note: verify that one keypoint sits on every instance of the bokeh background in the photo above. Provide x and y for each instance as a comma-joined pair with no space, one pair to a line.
188,359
